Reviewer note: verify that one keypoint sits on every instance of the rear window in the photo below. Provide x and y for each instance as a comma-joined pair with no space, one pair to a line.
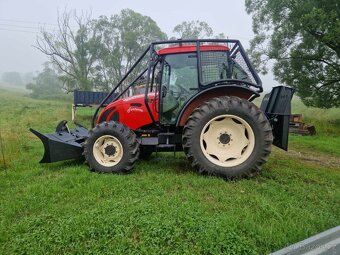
217,66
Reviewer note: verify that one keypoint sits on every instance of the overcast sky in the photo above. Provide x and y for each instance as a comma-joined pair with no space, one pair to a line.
20,23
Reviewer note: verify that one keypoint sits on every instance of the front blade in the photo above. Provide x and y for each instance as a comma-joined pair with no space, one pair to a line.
60,146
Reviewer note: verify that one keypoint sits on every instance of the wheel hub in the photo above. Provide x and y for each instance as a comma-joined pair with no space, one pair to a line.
110,150
227,140
224,138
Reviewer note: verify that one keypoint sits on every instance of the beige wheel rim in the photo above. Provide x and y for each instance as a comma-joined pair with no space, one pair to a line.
107,150
227,140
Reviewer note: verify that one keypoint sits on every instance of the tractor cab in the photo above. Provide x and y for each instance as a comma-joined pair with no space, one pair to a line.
175,76
181,75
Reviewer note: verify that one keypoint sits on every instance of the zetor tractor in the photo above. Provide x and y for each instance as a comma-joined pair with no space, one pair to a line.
190,95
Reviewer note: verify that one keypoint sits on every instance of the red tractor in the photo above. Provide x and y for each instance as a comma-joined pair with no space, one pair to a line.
188,95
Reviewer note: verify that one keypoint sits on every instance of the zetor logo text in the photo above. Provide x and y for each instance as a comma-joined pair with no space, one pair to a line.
134,109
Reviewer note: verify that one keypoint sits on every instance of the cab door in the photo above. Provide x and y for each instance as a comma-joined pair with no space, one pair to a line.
179,83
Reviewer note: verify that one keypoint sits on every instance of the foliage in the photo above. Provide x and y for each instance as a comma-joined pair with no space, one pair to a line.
303,39
46,85
99,52
123,38
195,29
27,77
12,78
73,53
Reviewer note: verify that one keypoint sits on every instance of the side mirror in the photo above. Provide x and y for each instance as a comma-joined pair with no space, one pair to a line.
164,91
159,77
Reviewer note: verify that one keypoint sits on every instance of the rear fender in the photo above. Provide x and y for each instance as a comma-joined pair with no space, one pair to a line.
198,99
277,107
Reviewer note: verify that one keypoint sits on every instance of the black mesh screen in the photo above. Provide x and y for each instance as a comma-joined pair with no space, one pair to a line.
221,65
214,66
241,63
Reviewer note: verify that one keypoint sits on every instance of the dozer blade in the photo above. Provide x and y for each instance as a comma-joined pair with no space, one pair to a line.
62,145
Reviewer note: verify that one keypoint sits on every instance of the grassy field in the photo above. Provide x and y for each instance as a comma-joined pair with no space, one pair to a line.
163,207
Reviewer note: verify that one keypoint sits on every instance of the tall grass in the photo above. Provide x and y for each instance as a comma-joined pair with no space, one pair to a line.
327,121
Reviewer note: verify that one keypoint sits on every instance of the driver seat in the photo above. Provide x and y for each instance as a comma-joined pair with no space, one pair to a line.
170,103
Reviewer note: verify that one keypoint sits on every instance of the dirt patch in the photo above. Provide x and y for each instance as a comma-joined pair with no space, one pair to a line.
316,158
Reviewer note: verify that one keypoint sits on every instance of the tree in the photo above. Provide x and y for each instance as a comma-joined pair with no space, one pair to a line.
27,77
194,30
73,51
12,78
46,84
123,38
97,53
302,37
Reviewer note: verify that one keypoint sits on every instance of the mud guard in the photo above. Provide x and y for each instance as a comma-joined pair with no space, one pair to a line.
277,107
63,144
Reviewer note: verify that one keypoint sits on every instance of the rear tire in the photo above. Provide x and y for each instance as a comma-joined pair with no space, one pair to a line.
111,148
227,137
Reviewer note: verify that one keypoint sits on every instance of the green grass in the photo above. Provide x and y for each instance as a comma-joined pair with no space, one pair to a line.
328,144
163,207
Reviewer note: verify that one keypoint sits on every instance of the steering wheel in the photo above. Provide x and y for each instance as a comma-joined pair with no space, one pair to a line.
174,90
178,90
184,89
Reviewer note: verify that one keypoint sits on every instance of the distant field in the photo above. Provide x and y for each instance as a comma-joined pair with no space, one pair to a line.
163,207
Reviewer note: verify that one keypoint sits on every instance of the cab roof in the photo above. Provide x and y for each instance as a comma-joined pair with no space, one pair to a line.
191,48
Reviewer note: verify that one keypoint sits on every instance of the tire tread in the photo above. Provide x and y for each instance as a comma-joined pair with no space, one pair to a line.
227,102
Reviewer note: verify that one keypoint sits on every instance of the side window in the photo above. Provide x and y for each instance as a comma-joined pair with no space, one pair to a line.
140,85
237,72
179,81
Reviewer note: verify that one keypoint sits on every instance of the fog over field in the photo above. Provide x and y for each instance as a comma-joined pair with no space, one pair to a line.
21,22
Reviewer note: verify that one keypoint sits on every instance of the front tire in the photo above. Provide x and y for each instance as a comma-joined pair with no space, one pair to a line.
227,137
111,148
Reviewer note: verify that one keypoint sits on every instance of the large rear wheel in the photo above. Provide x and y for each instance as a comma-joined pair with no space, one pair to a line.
228,137
111,148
